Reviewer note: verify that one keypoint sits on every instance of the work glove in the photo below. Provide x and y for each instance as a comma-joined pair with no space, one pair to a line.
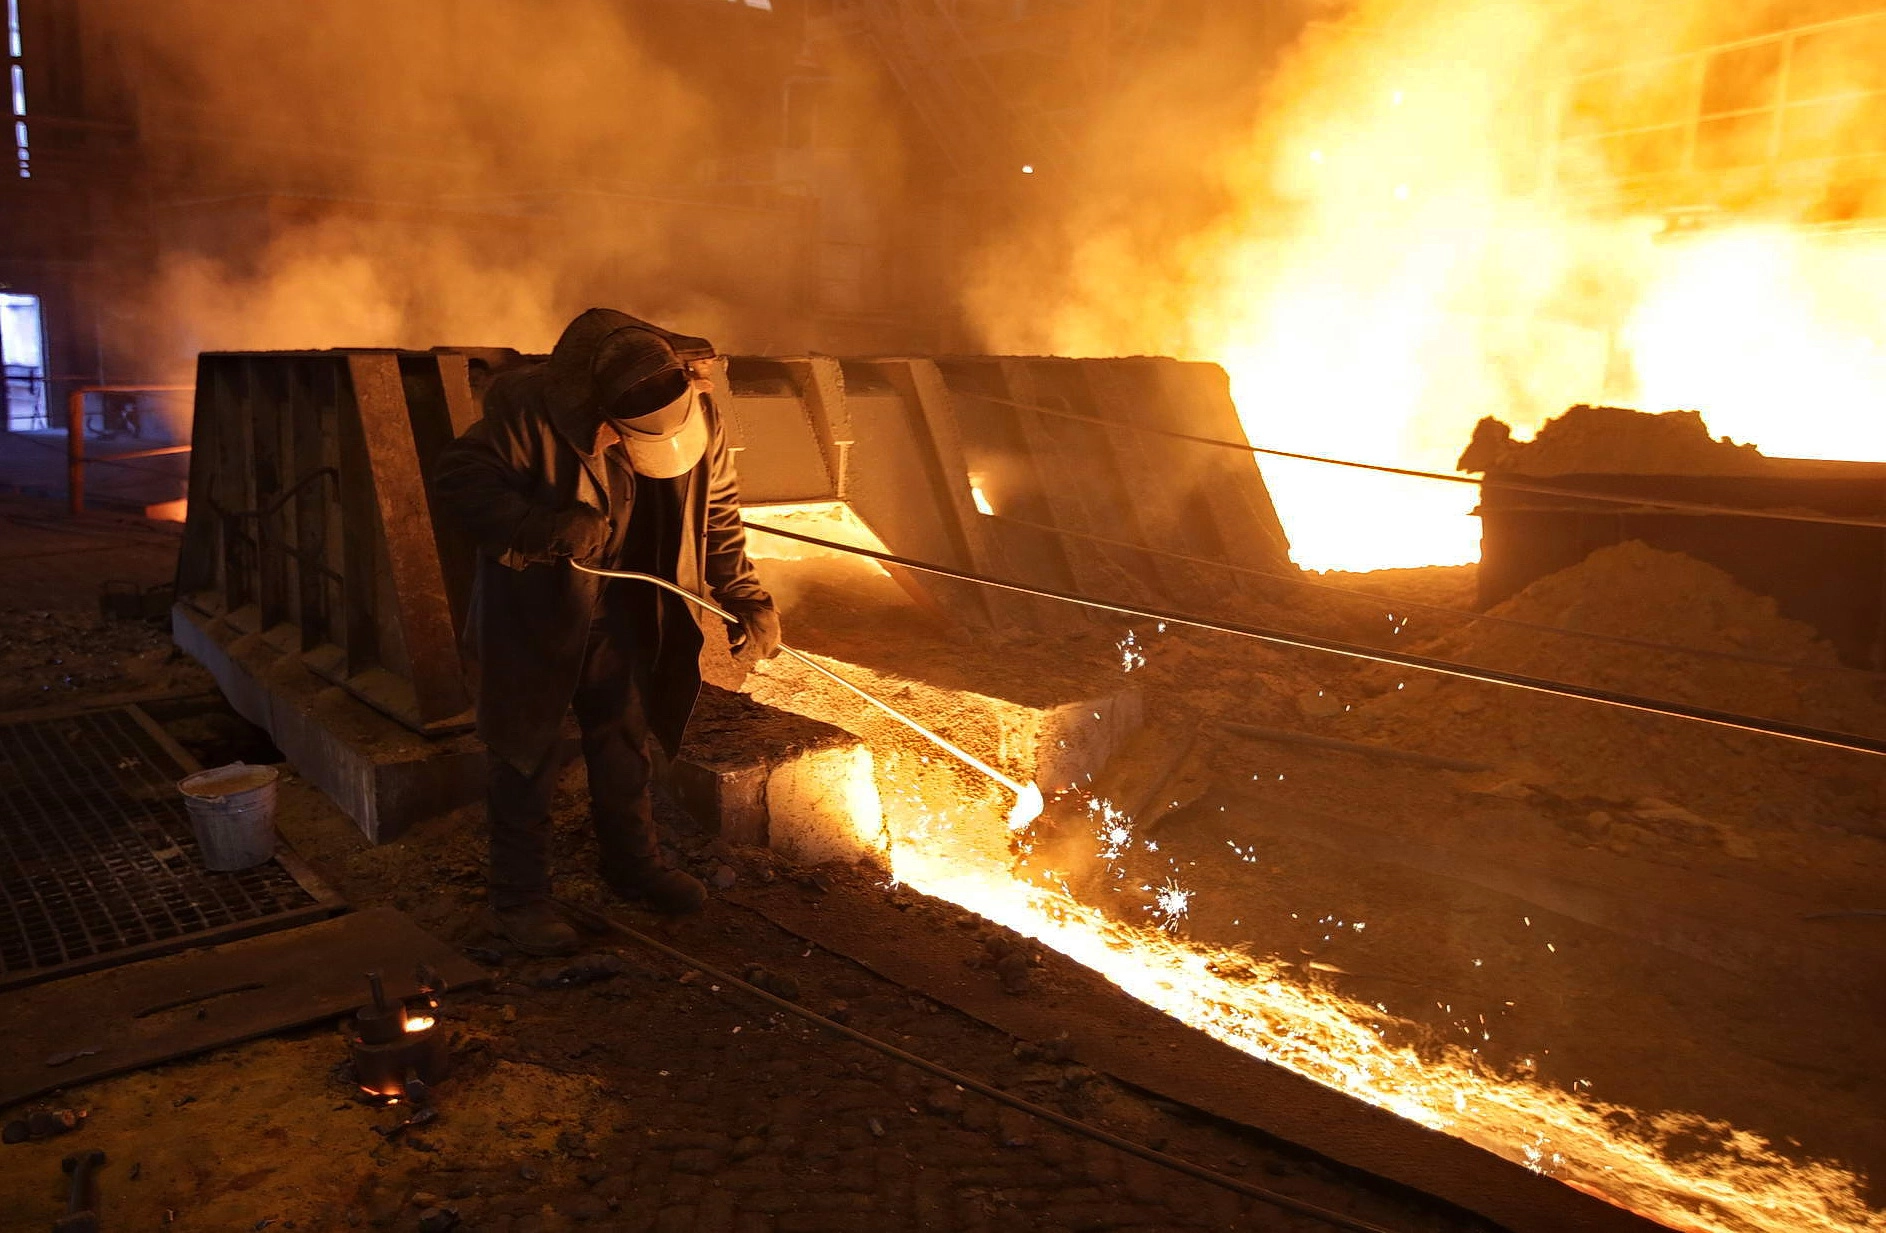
758,627
578,532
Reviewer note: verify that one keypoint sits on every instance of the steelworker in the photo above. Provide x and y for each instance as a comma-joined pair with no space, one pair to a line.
610,453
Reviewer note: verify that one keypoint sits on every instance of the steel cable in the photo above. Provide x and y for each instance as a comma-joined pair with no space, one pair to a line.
602,921
1508,485
1804,733
1391,601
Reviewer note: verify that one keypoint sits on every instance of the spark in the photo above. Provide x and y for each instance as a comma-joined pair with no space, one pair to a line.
1131,655
1172,904
1114,829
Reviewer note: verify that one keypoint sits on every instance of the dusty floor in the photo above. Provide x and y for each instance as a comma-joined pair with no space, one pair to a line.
649,1099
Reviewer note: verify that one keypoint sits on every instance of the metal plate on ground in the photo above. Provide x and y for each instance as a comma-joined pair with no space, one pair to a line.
86,1027
98,862
1106,1029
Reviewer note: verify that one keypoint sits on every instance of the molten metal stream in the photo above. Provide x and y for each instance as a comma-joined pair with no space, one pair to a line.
1028,801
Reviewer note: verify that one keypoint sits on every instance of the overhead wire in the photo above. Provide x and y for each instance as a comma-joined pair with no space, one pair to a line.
1803,733
1487,482
1398,602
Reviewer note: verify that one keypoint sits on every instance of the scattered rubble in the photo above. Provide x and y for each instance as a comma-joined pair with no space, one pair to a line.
43,1124
588,970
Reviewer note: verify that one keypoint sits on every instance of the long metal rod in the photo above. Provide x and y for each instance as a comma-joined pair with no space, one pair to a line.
1486,483
1395,603
1310,642
1028,795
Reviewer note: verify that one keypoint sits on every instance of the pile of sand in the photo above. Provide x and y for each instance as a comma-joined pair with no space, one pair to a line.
1632,591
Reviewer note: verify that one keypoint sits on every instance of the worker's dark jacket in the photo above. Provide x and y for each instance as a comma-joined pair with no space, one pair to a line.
535,448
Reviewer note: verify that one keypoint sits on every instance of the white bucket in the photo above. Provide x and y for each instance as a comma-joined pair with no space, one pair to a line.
232,810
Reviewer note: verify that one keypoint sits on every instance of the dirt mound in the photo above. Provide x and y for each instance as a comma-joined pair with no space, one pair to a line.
1632,591
1631,595
1612,441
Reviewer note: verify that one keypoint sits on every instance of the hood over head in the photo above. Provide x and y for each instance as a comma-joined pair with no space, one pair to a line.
576,397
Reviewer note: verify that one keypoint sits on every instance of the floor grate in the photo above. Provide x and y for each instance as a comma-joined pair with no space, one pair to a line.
98,864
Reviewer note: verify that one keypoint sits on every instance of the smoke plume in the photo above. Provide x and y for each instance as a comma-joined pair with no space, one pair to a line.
1419,223
407,173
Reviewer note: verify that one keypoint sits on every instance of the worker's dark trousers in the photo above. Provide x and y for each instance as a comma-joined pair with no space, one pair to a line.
609,710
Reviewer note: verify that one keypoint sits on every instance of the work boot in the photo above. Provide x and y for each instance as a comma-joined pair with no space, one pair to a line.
535,928
667,891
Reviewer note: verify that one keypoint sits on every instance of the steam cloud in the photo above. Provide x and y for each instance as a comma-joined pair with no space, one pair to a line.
1351,211
473,173
1379,257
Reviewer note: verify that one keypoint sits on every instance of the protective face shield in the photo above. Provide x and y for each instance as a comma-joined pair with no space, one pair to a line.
652,399
668,442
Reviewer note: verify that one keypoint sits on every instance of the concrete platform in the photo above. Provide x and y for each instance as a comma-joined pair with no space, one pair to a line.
380,773
748,772
764,777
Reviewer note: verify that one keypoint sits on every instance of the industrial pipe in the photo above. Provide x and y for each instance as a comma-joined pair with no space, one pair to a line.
75,436
1028,802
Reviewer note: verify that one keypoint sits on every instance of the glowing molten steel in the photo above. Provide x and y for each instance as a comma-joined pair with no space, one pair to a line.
1028,806
1255,1007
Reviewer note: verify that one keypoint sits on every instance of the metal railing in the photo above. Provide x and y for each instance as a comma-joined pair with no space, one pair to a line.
31,381
75,437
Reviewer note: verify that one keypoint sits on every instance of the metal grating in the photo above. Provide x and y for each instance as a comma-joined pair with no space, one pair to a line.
98,864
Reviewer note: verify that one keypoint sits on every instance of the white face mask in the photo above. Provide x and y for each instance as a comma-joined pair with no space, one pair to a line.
672,453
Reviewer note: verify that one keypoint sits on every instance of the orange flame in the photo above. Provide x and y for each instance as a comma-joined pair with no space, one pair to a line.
1434,218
